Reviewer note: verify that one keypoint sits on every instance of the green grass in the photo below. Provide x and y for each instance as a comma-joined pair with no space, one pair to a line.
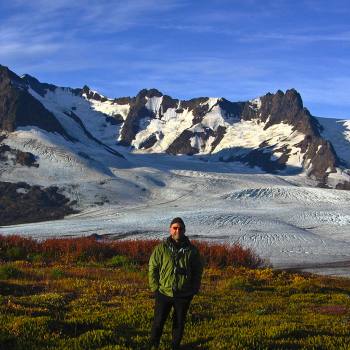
9,271
109,306
121,261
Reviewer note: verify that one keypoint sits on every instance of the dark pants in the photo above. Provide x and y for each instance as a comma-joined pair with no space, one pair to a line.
162,308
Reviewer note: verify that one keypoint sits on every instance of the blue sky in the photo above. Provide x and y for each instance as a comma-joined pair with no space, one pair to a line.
235,49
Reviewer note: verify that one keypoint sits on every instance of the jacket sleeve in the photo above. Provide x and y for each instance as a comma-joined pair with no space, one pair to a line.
197,271
153,270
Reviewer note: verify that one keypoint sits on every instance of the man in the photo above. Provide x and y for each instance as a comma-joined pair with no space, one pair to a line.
175,272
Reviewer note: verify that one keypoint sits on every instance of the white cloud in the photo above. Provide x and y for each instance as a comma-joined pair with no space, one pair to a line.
300,38
10,50
71,34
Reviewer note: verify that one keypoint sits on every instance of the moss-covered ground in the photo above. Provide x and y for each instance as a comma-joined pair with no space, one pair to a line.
107,305
91,293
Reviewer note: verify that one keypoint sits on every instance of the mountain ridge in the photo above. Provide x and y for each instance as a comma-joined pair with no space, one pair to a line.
69,131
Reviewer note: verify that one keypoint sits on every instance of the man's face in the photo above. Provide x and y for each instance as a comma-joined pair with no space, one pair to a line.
176,231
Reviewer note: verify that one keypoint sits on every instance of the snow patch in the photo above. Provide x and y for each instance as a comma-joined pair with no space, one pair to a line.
305,195
214,118
154,103
338,132
255,104
22,190
110,108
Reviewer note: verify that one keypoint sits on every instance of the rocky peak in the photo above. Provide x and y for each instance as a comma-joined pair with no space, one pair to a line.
283,108
92,95
123,100
194,103
149,93
137,112
319,157
19,108
231,109
37,86
198,106
169,102
8,78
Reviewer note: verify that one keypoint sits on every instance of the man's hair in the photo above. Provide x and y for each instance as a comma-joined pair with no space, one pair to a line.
178,221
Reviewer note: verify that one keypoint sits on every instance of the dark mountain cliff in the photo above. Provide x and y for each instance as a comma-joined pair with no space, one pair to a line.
288,108
19,108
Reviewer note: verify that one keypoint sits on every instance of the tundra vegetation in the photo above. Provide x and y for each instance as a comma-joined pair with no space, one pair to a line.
90,294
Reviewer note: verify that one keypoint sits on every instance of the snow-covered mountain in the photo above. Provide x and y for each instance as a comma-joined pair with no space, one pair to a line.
62,136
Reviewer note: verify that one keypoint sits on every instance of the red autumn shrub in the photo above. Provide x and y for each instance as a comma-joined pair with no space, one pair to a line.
221,255
17,247
76,249
137,250
69,250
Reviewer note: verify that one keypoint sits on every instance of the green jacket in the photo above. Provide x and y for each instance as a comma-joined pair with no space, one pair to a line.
175,269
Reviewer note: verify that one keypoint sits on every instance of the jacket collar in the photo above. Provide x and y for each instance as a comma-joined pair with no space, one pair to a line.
184,244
